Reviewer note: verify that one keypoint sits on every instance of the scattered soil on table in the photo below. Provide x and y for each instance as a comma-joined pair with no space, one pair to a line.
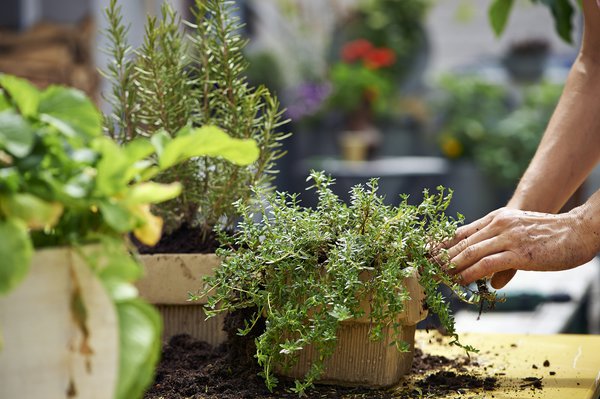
184,240
190,369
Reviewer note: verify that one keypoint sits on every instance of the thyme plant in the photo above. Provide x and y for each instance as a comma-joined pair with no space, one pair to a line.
303,269
192,73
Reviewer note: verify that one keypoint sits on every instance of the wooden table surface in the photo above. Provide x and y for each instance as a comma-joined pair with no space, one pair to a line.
574,361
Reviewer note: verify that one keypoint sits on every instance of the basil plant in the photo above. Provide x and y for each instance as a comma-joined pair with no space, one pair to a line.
63,183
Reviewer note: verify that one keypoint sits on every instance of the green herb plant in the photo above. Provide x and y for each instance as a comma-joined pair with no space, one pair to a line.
190,74
63,183
302,269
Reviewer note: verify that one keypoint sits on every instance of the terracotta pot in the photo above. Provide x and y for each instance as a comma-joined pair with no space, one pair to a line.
359,361
45,353
168,280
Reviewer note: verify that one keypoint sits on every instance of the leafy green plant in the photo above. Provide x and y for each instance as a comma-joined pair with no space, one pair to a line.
362,79
302,269
63,183
562,12
470,107
507,150
393,24
194,78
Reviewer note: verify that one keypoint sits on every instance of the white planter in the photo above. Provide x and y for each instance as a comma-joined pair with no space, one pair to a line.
166,284
45,353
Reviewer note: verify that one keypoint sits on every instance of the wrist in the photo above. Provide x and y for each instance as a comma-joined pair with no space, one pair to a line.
586,222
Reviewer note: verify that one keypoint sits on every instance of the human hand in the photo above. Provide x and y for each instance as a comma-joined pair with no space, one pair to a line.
509,239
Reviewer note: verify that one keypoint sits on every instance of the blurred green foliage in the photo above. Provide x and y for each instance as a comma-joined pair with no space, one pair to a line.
495,128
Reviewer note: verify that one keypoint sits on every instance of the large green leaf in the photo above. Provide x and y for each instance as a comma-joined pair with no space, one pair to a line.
498,14
562,11
16,134
152,193
16,251
138,149
70,111
118,217
112,168
140,330
35,212
208,141
25,96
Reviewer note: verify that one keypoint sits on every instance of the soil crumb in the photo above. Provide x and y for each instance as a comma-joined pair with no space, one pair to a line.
448,381
532,382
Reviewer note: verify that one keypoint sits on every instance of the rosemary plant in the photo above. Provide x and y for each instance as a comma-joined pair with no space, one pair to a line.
301,269
191,73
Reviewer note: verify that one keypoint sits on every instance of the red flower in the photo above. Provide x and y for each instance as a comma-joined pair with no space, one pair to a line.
379,58
356,50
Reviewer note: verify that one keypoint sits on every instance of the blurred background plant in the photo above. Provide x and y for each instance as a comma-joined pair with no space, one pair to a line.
470,107
496,128
363,78
505,153
397,25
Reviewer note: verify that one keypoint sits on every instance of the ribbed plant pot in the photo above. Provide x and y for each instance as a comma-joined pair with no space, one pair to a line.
167,283
359,361
45,352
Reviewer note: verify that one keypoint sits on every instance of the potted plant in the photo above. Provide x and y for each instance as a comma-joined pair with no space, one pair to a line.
194,78
324,283
72,325
362,86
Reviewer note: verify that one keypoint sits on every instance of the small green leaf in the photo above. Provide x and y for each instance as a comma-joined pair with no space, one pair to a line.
139,331
340,313
16,251
4,103
71,112
152,193
25,95
117,216
138,149
16,134
498,14
118,290
208,141
33,211
112,176
160,140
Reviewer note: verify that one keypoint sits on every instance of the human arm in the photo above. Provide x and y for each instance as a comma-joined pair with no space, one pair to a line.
511,238
570,147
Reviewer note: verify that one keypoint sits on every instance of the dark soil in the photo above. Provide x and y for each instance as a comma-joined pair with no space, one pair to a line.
184,240
191,369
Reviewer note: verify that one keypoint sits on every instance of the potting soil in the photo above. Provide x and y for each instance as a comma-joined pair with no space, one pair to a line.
192,369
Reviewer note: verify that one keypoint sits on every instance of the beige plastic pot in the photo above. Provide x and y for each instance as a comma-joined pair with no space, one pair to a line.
168,280
359,361
46,353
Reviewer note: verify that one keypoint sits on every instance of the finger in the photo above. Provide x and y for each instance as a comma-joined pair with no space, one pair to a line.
474,253
500,279
488,266
481,235
468,230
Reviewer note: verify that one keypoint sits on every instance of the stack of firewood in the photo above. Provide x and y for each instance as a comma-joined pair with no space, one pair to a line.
52,54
